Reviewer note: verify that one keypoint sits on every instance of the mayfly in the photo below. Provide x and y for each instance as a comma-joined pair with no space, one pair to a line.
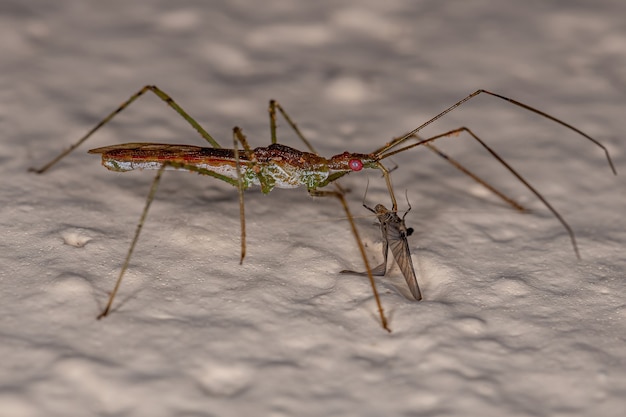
279,166
394,233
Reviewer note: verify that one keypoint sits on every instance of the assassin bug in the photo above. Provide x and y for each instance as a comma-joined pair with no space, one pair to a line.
279,166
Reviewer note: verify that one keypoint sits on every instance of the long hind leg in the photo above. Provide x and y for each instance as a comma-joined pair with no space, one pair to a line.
160,94
144,215
142,219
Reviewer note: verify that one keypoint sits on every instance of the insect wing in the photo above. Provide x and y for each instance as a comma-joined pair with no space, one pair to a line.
394,234
396,239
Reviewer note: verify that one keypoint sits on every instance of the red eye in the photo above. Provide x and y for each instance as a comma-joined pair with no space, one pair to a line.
355,165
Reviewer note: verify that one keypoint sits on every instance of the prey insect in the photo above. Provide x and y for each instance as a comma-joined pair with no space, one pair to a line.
394,234
282,166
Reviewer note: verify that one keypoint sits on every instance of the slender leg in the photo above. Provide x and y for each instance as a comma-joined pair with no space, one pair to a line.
532,189
476,178
379,270
272,110
242,214
159,93
275,105
144,214
387,176
467,172
400,140
266,186
340,196
238,136
142,219
394,234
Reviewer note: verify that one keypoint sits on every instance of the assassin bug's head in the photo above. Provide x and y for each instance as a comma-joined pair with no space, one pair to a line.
351,161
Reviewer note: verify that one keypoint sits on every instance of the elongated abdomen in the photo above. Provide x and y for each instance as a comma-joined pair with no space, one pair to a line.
276,165
130,156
